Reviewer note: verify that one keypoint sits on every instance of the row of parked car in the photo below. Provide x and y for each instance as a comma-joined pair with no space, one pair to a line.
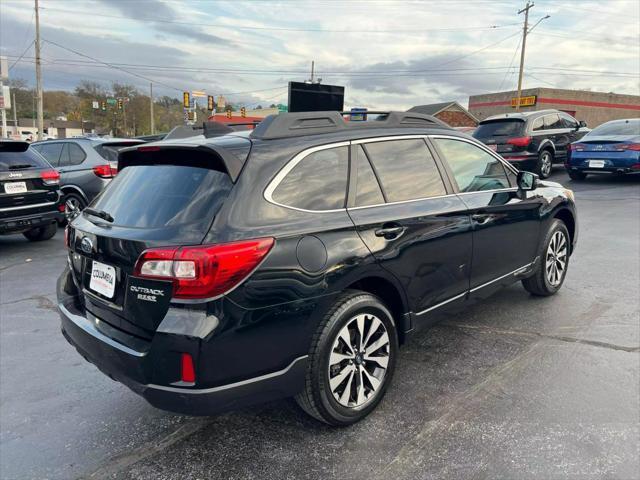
79,168
535,141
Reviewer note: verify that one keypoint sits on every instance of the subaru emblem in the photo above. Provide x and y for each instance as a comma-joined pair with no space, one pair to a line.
86,245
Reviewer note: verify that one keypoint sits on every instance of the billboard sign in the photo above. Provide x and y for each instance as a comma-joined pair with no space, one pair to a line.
529,101
315,97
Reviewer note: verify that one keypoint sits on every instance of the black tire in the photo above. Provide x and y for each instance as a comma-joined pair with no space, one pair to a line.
317,398
544,167
73,199
539,283
576,175
41,233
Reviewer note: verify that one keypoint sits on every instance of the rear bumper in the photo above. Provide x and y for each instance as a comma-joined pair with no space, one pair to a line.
522,161
612,164
135,362
18,221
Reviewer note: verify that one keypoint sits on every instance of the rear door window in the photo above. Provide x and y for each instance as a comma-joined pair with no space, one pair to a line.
75,153
317,182
52,152
164,196
406,169
473,168
367,188
552,122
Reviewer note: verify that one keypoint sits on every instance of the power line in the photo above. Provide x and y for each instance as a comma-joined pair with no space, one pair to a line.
21,55
397,31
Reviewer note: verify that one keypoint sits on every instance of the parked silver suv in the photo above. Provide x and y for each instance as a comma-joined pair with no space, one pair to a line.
85,164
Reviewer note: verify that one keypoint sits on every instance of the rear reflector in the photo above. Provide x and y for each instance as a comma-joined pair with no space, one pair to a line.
203,271
105,171
50,177
635,166
519,141
187,372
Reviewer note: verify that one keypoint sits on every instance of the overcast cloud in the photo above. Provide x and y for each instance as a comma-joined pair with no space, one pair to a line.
389,54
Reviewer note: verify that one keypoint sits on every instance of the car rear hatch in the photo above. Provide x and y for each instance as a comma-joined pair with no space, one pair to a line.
28,184
505,135
164,196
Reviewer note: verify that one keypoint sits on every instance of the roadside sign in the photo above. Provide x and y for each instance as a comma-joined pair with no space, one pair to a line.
95,104
199,93
222,102
5,98
358,115
111,101
4,68
529,101
282,108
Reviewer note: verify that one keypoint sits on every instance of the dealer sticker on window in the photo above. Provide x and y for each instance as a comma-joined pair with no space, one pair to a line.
103,279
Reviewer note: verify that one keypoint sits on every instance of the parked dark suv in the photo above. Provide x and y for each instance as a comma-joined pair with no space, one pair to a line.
531,141
295,259
30,199
86,165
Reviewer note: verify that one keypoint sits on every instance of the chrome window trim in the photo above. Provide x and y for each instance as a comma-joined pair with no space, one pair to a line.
400,202
438,305
268,192
388,139
25,207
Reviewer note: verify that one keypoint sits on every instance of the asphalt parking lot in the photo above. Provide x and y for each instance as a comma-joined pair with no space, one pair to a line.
516,387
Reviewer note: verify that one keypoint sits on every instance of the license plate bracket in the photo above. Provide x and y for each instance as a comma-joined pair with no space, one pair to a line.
15,187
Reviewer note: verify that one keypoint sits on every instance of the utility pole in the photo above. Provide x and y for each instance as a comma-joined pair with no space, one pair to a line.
14,105
524,42
153,123
39,75
313,64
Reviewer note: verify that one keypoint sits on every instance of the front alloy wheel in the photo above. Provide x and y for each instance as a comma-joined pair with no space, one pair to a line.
556,260
358,360
553,256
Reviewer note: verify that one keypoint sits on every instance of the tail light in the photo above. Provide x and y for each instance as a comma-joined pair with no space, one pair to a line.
187,371
629,146
519,141
203,271
50,177
576,147
635,166
105,171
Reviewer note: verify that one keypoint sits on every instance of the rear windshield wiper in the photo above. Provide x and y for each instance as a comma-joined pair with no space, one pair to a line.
19,166
99,213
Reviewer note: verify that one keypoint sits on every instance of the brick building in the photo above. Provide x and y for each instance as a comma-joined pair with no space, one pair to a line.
594,108
452,113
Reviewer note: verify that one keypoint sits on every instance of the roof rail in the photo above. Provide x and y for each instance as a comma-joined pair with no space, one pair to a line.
285,125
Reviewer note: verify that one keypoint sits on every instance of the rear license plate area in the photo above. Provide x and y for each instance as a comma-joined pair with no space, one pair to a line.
103,279
15,187
596,163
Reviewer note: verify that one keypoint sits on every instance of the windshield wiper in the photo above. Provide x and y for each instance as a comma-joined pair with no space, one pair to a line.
19,166
99,213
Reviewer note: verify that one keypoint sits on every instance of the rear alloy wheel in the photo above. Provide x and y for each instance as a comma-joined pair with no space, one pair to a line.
554,261
41,233
73,203
545,164
351,361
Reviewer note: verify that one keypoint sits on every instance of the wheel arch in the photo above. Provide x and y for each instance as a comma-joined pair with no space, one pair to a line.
391,295
74,189
567,217
547,144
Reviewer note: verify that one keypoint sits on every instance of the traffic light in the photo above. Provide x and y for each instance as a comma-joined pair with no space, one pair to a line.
120,104
229,114
103,106
210,103
243,112
186,100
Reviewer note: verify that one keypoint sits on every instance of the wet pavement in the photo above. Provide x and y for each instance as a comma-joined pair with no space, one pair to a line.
515,387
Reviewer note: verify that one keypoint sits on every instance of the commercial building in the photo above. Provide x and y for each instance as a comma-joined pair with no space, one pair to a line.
52,128
594,108
452,113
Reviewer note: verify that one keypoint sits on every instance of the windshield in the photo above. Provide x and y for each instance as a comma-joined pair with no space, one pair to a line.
632,127
156,196
499,128
11,160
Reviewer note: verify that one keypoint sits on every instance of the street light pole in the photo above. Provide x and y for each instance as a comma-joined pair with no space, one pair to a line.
39,75
524,42
153,123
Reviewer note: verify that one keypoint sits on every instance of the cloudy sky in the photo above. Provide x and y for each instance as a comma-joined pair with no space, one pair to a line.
388,54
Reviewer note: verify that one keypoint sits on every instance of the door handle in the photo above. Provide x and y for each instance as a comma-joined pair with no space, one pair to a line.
390,232
481,218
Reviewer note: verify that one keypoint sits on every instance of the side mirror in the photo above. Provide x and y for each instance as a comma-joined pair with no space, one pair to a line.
582,123
527,181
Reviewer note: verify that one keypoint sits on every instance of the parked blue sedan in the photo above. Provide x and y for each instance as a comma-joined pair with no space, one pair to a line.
613,147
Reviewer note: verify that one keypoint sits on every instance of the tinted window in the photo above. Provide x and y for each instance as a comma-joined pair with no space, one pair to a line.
10,160
498,128
552,122
76,154
473,168
537,125
152,196
317,182
367,188
406,169
568,121
628,127
51,151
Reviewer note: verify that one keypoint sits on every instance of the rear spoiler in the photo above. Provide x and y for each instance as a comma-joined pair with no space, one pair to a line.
170,154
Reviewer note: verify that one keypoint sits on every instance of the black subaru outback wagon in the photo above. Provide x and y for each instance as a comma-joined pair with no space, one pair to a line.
294,260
